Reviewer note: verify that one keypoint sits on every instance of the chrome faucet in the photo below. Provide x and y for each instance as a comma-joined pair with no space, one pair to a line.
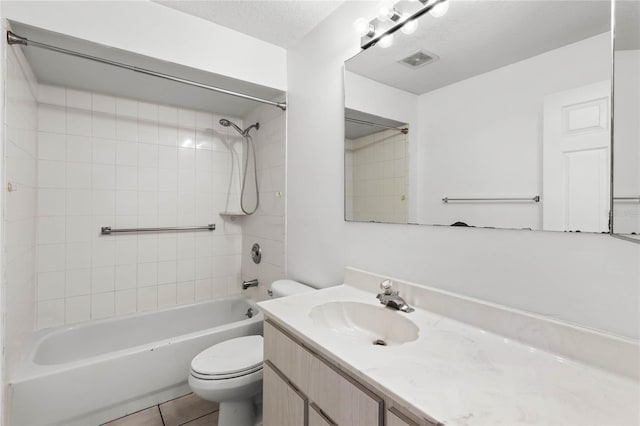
389,297
250,283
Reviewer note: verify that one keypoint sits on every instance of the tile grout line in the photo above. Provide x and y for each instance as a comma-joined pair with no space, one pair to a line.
161,416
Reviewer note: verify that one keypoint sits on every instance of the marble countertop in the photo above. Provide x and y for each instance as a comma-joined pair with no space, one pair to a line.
461,375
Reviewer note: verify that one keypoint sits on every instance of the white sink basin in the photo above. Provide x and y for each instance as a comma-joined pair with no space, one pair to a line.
363,323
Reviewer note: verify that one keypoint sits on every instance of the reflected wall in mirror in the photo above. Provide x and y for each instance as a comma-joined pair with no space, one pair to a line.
626,147
509,118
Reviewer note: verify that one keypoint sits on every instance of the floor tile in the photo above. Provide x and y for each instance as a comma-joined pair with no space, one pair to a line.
184,409
148,417
208,420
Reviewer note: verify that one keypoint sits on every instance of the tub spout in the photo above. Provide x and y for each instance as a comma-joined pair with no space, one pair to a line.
250,283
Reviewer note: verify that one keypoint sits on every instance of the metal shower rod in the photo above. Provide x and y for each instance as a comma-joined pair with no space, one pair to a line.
13,38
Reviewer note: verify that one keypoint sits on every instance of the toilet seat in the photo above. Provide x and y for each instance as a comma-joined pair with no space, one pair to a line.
225,376
229,359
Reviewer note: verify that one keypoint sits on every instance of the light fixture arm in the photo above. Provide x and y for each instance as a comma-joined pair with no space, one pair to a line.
373,37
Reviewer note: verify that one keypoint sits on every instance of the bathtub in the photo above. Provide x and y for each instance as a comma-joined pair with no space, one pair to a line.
91,373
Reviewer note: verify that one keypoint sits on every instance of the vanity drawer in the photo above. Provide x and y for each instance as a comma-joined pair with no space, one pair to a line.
340,397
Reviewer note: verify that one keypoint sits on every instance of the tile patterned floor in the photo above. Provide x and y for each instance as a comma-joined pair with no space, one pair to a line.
188,410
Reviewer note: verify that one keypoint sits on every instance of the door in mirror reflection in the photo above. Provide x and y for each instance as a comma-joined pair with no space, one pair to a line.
477,152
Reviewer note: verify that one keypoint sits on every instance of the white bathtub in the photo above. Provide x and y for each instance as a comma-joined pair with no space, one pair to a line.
94,372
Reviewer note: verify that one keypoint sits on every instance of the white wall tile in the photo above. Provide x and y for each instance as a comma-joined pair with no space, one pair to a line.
126,302
79,99
77,309
51,174
50,313
78,282
107,161
51,146
147,274
51,285
53,95
147,298
79,148
185,293
102,279
167,295
78,175
79,122
51,118
102,305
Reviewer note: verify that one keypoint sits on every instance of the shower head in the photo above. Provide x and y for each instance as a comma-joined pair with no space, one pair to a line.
245,132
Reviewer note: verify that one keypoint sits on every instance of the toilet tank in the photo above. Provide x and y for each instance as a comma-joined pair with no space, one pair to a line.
283,288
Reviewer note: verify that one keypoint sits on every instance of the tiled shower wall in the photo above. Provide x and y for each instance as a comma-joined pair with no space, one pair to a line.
19,251
106,161
267,226
377,165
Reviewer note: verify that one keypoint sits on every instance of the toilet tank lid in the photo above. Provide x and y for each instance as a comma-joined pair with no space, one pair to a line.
289,287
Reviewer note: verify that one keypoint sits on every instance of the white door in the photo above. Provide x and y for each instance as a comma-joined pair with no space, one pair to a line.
576,152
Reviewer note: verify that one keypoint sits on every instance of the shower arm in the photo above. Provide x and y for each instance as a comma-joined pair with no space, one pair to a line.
13,38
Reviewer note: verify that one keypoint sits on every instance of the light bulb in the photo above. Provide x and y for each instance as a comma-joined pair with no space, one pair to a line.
362,27
388,12
386,41
410,27
440,9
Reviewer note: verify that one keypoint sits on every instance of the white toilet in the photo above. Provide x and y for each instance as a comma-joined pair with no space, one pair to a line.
231,371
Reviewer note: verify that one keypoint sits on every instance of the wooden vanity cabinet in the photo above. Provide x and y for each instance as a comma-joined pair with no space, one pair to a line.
296,377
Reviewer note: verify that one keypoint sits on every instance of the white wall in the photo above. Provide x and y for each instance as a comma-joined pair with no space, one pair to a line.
106,161
497,152
154,30
19,213
267,225
591,280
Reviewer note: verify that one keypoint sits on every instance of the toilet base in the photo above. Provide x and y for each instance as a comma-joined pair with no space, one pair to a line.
239,413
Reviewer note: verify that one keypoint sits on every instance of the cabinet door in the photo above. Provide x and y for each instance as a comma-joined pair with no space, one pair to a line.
318,418
282,404
338,395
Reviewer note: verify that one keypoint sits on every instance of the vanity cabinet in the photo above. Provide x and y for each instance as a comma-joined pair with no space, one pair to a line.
332,397
283,405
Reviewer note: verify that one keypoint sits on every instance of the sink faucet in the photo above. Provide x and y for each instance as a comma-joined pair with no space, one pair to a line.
389,297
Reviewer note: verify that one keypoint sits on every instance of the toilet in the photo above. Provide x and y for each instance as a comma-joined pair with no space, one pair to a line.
230,372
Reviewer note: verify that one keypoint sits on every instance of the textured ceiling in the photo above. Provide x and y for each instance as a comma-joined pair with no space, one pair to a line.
278,22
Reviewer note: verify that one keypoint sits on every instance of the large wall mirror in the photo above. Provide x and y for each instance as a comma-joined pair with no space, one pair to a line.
626,146
496,114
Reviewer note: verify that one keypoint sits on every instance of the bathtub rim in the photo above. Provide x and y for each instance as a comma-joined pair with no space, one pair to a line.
28,369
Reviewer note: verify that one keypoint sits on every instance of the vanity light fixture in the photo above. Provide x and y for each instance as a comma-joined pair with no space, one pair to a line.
364,28
386,41
401,16
410,27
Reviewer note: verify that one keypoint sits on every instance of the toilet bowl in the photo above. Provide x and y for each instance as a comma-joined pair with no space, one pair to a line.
230,372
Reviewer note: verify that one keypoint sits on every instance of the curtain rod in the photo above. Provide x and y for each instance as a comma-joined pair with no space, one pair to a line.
13,38
404,130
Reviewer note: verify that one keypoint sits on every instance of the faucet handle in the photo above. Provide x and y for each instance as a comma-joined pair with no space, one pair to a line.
387,287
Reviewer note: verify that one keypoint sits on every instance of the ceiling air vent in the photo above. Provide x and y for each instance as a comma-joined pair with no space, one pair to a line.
419,59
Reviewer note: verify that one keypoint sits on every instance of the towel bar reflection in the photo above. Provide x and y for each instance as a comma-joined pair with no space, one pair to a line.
107,230
535,199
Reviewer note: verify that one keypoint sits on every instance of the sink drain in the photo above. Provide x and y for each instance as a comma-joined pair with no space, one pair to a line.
379,342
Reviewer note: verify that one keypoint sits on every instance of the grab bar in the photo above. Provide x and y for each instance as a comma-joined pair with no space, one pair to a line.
627,198
535,199
107,230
